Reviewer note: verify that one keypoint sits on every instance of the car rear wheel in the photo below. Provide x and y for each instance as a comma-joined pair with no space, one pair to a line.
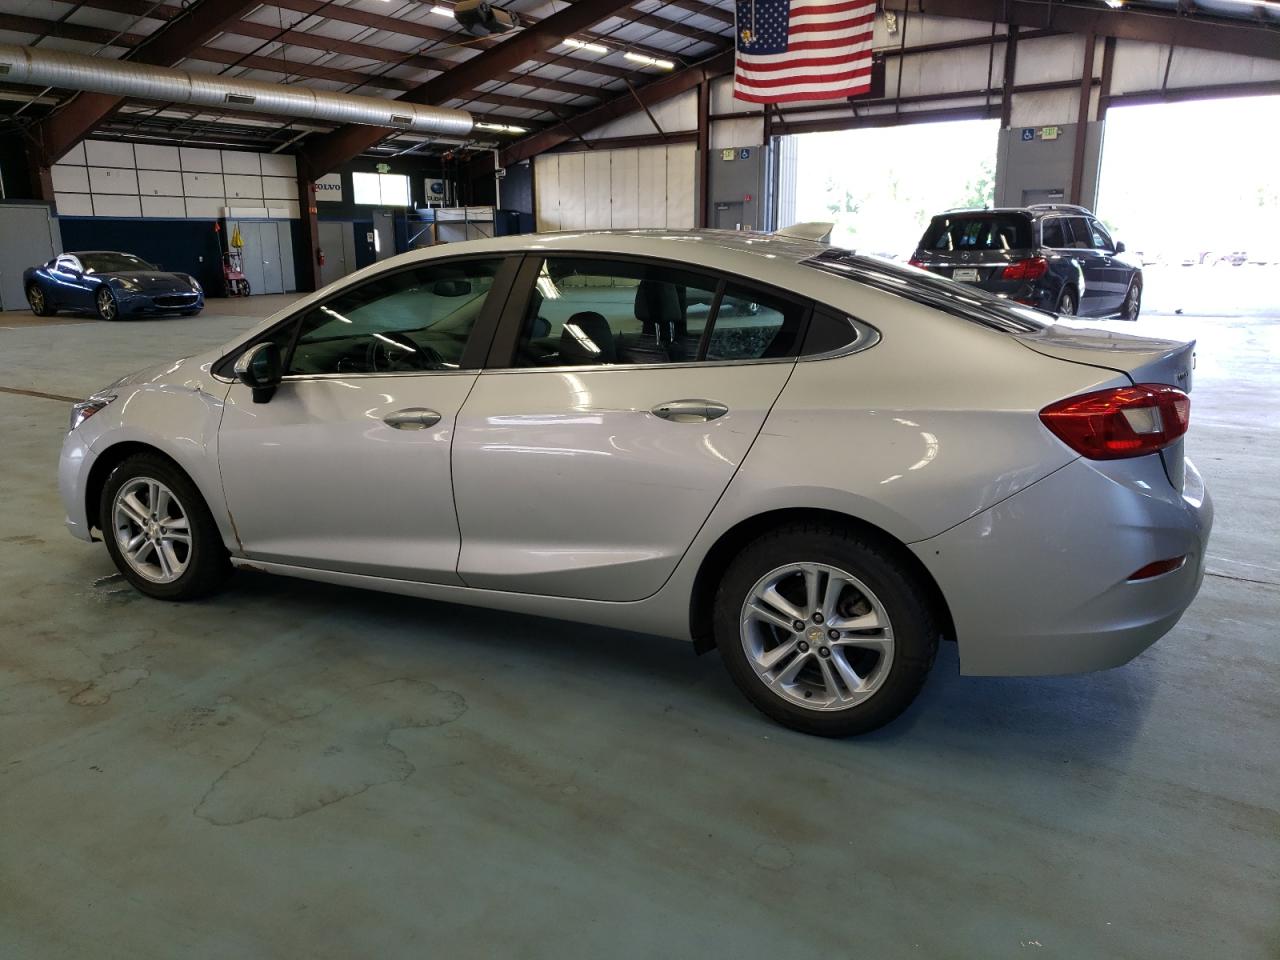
1132,301
38,301
1067,304
159,531
105,301
824,631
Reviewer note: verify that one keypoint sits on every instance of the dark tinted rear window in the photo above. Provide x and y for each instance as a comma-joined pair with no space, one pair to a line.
977,232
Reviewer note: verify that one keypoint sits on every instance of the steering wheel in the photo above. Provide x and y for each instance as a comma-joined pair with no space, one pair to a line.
391,351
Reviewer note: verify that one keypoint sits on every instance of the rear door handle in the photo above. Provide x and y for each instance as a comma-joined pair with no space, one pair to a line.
689,411
412,418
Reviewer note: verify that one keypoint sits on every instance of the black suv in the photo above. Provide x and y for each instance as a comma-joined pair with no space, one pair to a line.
1053,256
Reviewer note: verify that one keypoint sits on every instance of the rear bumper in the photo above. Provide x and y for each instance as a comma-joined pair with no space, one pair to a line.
1039,583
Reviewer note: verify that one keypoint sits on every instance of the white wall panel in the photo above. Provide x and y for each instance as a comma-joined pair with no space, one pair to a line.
278,165
546,185
681,170
1045,109
279,188
624,184
113,180
237,161
292,209
164,207
736,133
651,187
201,161
207,207
74,204
240,187
203,185
573,180
107,153
1049,59
105,206
75,155
154,157
677,115
67,179
596,189
160,183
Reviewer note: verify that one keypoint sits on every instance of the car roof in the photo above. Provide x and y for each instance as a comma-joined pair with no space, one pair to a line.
1035,211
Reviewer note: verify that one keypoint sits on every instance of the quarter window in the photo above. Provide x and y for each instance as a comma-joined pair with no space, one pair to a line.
410,320
754,326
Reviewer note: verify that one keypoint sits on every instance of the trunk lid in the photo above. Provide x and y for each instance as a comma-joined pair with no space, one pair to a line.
1141,359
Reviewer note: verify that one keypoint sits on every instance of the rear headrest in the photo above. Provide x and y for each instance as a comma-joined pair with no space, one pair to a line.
658,308
586,338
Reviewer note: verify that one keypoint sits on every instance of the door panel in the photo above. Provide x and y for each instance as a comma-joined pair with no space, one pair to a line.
335,265
272,278
316,477
252,256
567,484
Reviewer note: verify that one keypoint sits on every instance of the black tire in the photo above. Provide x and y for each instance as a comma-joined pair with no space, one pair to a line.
106,307
1068,306
38,300
1132,305
915,624
208,565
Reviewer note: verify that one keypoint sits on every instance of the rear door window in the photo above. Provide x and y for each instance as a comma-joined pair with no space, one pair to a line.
1055,234
980,232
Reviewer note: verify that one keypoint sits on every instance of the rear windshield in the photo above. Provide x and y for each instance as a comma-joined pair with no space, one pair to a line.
980,231
942,293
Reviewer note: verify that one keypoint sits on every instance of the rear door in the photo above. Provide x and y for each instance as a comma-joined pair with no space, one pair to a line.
626,394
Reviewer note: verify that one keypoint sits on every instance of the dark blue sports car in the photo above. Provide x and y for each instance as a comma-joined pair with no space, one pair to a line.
110,285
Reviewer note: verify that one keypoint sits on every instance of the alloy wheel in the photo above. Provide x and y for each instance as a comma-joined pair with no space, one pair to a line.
106,304
1067,305
817,636
1132,302
152,530
35,297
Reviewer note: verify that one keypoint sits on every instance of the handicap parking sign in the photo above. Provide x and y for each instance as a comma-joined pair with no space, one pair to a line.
1028,133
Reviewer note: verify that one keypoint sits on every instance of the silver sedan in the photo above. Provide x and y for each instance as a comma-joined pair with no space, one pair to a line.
820,464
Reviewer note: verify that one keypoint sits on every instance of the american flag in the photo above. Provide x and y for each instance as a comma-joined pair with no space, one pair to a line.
803,49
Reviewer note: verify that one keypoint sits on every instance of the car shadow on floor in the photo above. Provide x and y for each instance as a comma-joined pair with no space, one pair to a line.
1094,716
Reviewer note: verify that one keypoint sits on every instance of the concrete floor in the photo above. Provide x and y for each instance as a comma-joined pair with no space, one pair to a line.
296,770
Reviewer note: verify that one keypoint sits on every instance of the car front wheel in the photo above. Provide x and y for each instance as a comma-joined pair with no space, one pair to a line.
1132,302
105,301
159,531
824,631
1067,304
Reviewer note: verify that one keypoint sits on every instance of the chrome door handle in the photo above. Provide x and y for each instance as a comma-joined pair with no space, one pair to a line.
689,411
412,418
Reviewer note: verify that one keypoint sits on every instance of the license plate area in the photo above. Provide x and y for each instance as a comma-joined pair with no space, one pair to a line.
965,274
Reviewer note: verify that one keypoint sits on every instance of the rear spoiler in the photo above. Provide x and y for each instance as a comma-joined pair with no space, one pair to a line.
817,231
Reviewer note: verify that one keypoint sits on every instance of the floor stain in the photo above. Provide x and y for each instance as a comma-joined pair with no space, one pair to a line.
773,856
338,751
24,540
99,691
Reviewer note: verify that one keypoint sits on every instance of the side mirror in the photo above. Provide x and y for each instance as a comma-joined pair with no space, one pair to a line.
1120,246
259,367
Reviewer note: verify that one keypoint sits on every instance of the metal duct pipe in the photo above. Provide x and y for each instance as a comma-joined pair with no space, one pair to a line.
122,78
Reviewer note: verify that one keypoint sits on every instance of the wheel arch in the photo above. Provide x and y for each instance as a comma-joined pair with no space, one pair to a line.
733,540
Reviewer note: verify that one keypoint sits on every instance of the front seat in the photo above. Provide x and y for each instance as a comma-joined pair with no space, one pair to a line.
662,324
586,339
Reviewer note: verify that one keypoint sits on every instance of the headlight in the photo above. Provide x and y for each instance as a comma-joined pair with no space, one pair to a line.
85,409
124,283
195,284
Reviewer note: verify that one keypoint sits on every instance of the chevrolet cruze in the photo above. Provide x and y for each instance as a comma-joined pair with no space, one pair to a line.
820,464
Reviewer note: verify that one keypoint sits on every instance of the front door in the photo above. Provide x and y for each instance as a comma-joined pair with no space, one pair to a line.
346,467
586,467
1093,265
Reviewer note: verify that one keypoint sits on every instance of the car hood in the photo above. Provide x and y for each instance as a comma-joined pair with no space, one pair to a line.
180,372
149,279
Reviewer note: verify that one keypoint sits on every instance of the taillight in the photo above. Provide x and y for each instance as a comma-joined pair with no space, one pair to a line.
1030,269
1122,422
916,263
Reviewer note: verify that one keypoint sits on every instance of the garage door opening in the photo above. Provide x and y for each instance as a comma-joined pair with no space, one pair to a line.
1191,189
881,185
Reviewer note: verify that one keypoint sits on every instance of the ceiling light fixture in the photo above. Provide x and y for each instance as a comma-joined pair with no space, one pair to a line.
504,127
442,11
584,45
649,61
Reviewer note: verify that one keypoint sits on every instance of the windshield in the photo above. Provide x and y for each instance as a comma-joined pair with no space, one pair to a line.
968,231
942,293
112,262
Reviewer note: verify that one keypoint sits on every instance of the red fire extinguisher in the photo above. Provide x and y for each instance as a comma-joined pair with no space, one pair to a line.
320,257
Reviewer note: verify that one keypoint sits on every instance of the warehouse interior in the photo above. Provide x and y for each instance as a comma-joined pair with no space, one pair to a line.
294,768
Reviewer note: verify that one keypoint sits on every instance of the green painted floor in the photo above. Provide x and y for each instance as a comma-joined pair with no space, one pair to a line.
294,770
